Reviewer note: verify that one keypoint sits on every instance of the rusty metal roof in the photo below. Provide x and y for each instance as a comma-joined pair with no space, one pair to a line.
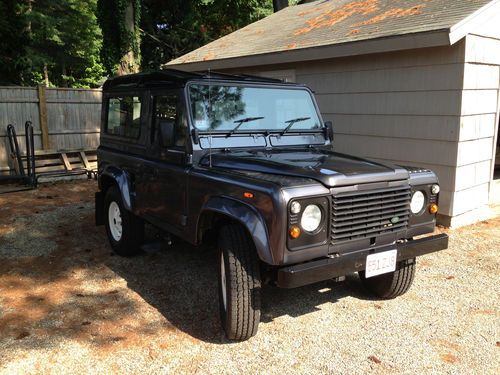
333,22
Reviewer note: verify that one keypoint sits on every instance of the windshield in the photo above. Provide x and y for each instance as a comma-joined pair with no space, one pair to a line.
226,108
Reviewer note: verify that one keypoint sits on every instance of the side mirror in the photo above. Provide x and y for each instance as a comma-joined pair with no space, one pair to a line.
329,130
166,133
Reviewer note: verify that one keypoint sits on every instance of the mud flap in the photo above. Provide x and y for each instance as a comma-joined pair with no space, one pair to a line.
99,208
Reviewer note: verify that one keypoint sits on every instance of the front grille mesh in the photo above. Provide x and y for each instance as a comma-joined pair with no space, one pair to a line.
364,214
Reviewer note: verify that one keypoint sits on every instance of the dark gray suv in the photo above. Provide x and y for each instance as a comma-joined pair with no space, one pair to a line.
246,164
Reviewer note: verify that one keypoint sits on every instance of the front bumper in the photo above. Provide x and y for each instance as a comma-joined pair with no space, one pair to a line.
329,268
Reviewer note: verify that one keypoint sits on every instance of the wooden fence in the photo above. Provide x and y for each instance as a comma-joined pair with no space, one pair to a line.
63,119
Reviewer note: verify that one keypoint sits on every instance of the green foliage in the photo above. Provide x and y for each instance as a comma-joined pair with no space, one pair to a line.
14,64
61,36
65,37
118,39
174,28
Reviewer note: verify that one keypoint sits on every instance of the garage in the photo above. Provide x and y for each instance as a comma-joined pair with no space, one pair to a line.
410,82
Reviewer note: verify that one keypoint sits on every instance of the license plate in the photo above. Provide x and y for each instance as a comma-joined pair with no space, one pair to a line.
378,264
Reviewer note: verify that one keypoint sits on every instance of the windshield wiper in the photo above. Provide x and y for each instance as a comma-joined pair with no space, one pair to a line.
292,122
241,122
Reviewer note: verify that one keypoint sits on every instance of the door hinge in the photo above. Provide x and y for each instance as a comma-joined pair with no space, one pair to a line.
184,220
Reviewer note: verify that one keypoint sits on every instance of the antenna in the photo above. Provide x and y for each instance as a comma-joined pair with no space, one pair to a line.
209,120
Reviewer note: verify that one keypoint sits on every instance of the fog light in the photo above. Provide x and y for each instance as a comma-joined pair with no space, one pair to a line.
295,232
435,189
433,208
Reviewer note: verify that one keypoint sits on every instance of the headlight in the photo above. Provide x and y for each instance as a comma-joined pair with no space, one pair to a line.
311,218
295,208
417,202
435,189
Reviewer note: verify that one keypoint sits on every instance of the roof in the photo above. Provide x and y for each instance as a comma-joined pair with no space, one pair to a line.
172,77
339,23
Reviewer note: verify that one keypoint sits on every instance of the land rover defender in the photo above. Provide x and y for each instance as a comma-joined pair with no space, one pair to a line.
247,164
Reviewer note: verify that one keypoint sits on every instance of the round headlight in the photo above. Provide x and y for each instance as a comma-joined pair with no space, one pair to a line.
311,218
417,202
295,208
435,189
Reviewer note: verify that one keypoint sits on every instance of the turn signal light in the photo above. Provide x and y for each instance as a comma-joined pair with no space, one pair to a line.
248,195
295,232
433,208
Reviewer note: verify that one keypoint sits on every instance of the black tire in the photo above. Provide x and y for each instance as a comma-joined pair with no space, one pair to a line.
391,285
132,233
240,315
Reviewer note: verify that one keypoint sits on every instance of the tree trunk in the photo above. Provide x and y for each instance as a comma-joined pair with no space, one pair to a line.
28,12
64,74
279,4
128,63
46,75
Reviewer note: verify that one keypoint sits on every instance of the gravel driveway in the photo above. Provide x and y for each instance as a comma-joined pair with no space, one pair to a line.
67,305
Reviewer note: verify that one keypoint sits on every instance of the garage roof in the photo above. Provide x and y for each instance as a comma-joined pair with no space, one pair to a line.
345,24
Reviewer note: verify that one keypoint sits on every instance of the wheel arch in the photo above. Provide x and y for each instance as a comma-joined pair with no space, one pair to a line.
220,210
113,176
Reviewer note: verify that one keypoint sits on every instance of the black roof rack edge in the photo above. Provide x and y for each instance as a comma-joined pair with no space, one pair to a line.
241,77
178,76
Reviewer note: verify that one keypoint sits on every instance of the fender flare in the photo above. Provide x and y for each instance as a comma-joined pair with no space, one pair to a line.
247,216
122,180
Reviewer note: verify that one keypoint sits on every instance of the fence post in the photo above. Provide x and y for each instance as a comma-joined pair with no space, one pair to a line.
42,110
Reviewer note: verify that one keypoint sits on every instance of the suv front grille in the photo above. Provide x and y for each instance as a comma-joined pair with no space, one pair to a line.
363,214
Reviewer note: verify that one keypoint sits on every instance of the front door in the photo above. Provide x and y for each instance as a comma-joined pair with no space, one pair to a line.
164,175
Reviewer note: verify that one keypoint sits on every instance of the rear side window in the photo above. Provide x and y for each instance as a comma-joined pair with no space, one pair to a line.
124,117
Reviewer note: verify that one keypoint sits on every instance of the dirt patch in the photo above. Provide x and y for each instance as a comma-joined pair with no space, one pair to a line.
67,305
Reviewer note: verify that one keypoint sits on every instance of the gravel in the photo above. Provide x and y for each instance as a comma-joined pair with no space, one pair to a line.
24,231
67,305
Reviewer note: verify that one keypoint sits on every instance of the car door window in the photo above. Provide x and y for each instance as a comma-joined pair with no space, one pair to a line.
124,117
167,113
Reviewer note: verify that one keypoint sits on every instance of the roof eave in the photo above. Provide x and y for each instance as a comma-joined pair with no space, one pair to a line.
434,38
473,21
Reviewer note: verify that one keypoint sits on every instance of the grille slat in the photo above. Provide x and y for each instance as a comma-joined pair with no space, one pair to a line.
364,214
369,209
369,219
377,196
373,231
380,201
373,224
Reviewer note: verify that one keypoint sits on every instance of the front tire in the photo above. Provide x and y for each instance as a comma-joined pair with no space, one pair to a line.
239,283
125,230
393,284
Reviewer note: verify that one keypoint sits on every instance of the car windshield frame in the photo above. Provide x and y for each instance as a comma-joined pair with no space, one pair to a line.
244,130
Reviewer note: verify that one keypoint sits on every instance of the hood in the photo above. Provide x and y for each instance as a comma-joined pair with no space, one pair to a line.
330,168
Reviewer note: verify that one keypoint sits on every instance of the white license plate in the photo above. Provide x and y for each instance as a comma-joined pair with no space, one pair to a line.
378,264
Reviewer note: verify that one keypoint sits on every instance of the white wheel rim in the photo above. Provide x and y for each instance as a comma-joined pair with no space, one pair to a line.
115,221
223,281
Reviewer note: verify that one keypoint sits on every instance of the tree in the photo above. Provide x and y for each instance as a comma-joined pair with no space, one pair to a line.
174,28
119,21
14,63
279,5
65,42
